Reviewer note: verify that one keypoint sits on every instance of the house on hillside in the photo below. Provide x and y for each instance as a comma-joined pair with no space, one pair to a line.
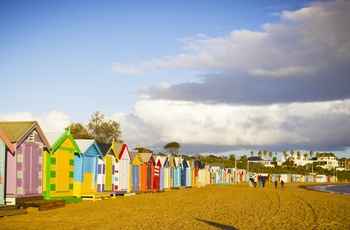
260,160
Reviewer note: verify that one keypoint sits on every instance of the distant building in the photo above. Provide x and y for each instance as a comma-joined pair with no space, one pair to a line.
260,160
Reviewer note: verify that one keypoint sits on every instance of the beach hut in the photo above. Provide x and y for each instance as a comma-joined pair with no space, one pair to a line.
106,176
202,174
59,167
123,169
5,145
135,170
166,167
177,172
147,171
184,166
24,166
161,177
86,168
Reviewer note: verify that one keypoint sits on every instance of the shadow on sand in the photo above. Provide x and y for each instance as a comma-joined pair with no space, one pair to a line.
218,225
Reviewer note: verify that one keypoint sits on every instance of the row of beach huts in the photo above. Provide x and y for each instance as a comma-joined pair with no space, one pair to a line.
56,167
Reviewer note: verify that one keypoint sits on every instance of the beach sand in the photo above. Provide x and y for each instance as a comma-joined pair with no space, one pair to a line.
211,207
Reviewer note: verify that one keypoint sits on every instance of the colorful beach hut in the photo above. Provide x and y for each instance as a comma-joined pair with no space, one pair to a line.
159,172
59,167
85,169
177,172
5,145
184,172
24,166
123,169
135,170
147,171
106,178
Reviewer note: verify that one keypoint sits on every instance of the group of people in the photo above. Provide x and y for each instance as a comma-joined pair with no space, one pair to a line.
282,184
260,181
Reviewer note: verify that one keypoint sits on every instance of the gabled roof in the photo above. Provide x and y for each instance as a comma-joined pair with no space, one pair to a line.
147,157
120,148
7,141
135,157
61,138
85,144
17,131
108,147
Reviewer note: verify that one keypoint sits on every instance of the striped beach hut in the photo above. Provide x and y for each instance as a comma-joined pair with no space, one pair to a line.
123,169
106,177
59,167
85,169
135,170
147,171
160,179
24,174
5,145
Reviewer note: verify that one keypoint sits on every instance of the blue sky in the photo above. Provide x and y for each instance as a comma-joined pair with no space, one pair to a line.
216,76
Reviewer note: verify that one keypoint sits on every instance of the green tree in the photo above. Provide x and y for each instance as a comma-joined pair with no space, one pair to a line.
103,131
270,155
265,153
305,156
143,150
298,155
252,153
172,148
232,157
259,153
311,153
78,131
292,153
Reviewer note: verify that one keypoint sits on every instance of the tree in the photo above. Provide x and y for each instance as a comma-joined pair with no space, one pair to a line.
172,148
265,153
285,154
143,150
252,153
270,155
259,153
311,153
292,153
305,156
78,131
298,155
232,157
103,131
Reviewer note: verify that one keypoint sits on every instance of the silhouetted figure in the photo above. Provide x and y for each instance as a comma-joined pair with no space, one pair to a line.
282,184
276,183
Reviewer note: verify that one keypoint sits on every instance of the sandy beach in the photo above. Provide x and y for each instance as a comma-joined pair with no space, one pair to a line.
211,207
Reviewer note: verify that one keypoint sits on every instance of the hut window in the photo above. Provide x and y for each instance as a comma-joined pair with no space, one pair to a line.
31,137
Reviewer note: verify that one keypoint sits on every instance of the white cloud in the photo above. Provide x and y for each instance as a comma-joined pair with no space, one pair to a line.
298,124
302,42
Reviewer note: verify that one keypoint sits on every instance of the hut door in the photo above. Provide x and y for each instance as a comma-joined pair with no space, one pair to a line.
183,176
135,177
89,173
149,179
109,173
32,169
62,174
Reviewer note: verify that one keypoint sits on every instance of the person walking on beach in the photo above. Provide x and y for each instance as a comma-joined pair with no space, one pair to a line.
276,183
282,184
